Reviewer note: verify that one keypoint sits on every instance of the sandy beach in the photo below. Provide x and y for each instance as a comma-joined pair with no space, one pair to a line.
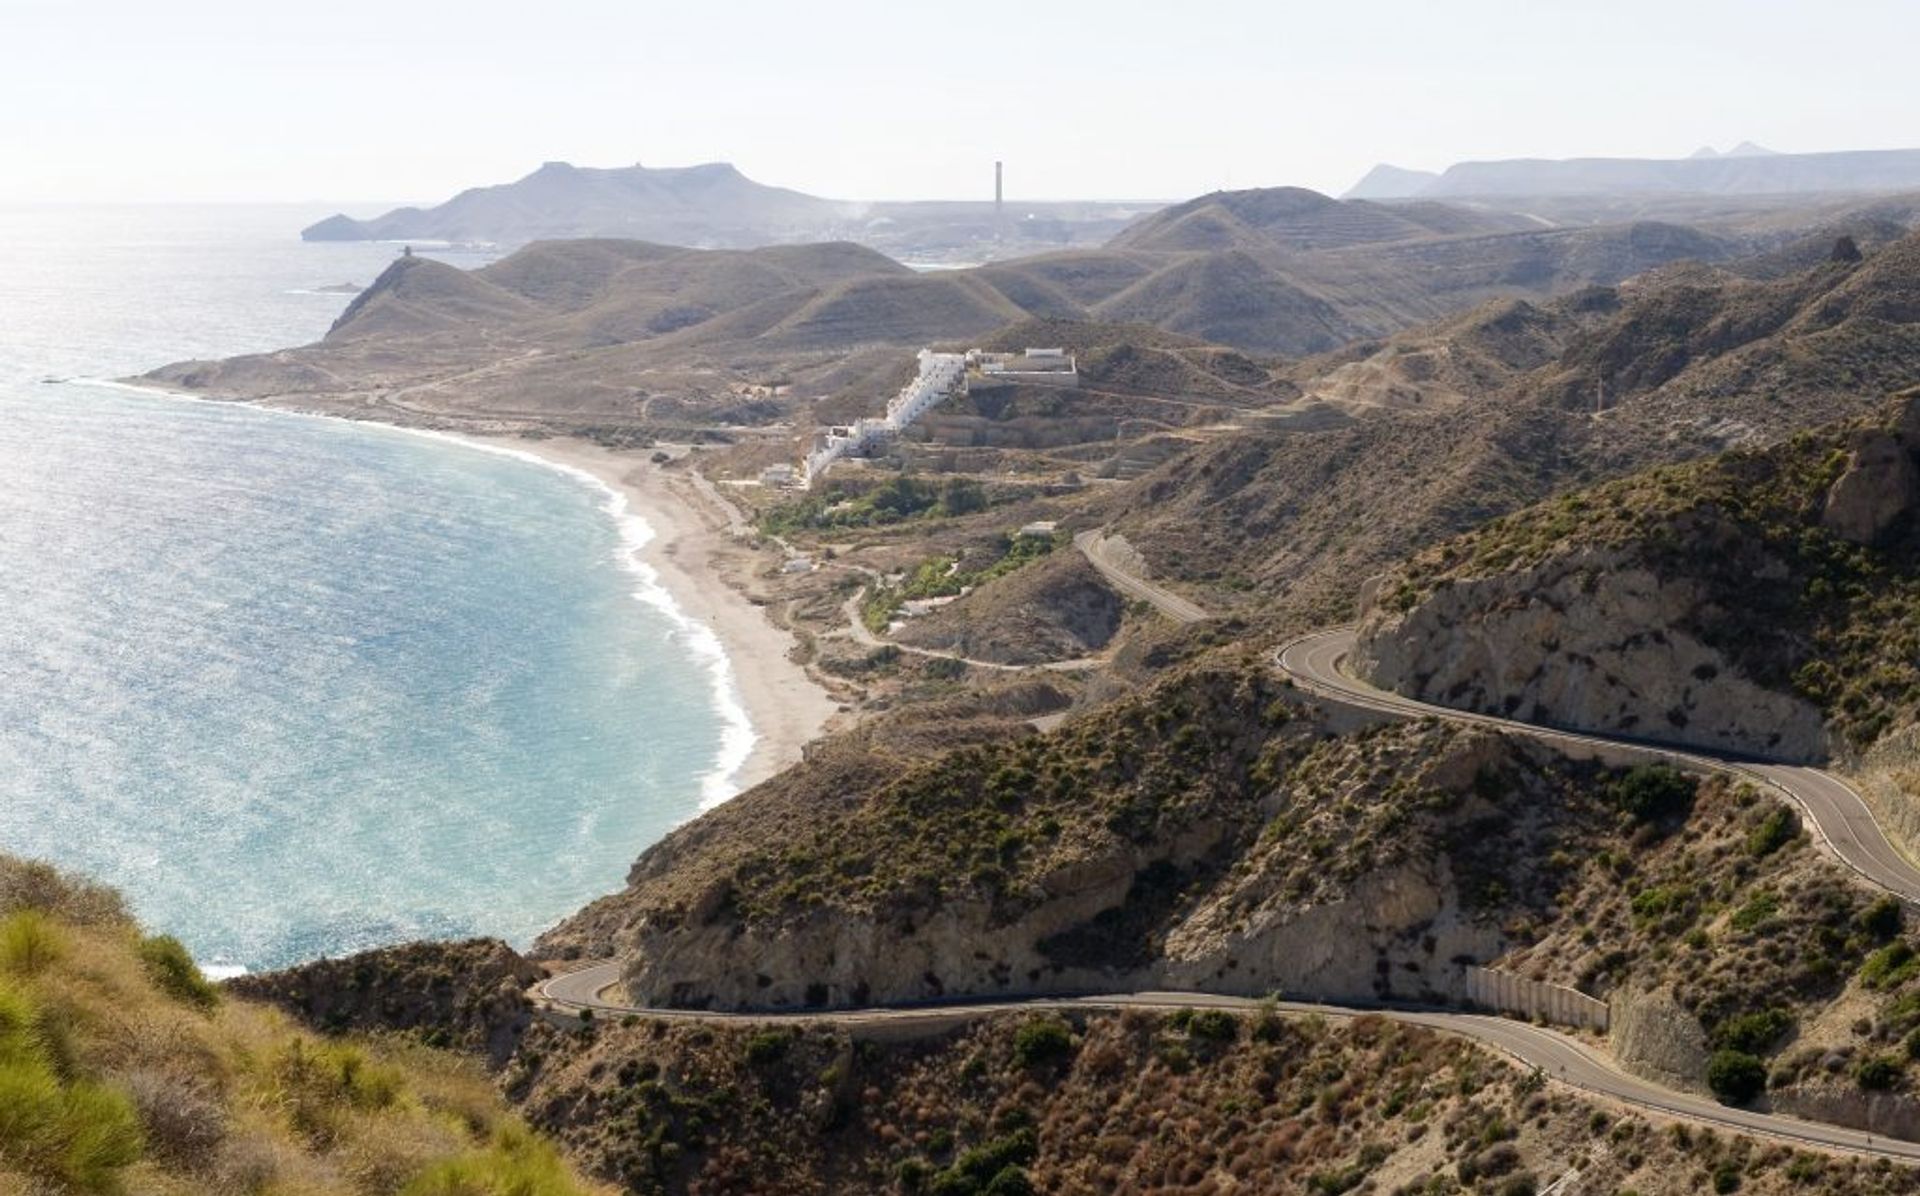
787,709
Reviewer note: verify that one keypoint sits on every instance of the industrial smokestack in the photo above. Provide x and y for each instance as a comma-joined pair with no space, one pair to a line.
999,202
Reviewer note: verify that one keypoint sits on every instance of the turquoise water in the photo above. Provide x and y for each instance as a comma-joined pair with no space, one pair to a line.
299,686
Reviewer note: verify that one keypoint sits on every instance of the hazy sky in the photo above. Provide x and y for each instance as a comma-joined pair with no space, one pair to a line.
348,100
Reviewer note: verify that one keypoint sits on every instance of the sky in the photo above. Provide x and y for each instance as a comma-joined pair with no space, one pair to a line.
359,103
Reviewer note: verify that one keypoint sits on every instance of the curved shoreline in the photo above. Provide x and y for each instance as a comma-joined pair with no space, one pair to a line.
769,707
783,708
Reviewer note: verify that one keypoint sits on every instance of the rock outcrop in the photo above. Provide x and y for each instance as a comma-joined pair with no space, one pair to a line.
471,995
1592,640
1881,485
1653,1035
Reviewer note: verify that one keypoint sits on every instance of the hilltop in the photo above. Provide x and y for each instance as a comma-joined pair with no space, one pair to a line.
711,204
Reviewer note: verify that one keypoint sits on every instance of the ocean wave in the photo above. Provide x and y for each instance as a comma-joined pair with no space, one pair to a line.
737,736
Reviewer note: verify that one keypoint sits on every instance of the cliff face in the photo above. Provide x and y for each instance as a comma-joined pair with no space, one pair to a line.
1763,602
1213,834
1594,639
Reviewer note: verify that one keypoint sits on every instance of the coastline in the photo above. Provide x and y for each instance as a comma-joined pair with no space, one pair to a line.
785,708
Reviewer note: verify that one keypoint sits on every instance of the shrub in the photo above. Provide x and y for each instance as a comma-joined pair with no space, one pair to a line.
1213,1025
1652,792
174,971
1735,1076
1042,1040
1753,1033
1889,967
78,1135
30,942
181,1122
1881,920
515,1163
995,1167
1877,1073
768,1046
32,884
1756,912
1775,831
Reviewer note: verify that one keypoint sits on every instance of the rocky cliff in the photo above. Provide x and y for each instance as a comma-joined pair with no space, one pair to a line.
1215,832
1763,602
1593,639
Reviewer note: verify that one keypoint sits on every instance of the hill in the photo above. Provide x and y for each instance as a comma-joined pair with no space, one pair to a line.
123,1070
1294,218
1491,412
712,204
596,327
1788,577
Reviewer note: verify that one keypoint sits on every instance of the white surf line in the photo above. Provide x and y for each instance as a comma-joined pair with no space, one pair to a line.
737,736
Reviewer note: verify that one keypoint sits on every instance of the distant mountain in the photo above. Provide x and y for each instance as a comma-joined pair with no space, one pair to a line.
1747,169
1391,182
713,204
1746,149
716,207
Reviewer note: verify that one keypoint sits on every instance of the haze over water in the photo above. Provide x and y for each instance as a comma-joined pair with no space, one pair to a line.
298,686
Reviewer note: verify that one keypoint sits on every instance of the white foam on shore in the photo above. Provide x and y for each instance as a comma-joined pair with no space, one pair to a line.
737,736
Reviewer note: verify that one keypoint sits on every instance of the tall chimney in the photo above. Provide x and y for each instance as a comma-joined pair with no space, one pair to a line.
999,198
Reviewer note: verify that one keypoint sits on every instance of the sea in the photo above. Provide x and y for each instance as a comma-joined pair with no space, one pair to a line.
300,686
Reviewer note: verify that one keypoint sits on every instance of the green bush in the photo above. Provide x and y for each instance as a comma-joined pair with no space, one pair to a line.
1654,792
1878,1073
1775,831
1753,1033
768,1046
1735,1076
30,942
78,1135
1881,920
174,971
1213,1025
1756,912
1889,967
994,1167
515,1163
1042,1040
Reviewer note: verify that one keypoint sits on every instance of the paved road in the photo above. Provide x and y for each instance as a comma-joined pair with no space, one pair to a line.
1106,556
1313,661
1838,815
1558,1056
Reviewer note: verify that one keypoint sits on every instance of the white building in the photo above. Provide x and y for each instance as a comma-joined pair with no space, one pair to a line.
941,376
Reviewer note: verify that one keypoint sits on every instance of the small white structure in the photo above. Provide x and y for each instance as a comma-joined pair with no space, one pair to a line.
782,475
1039,529
1040,367
797,564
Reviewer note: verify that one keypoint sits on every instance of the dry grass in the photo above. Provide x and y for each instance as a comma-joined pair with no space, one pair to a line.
121,1071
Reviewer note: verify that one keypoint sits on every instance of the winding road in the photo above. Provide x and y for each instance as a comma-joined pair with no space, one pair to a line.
1313,662
1839,816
